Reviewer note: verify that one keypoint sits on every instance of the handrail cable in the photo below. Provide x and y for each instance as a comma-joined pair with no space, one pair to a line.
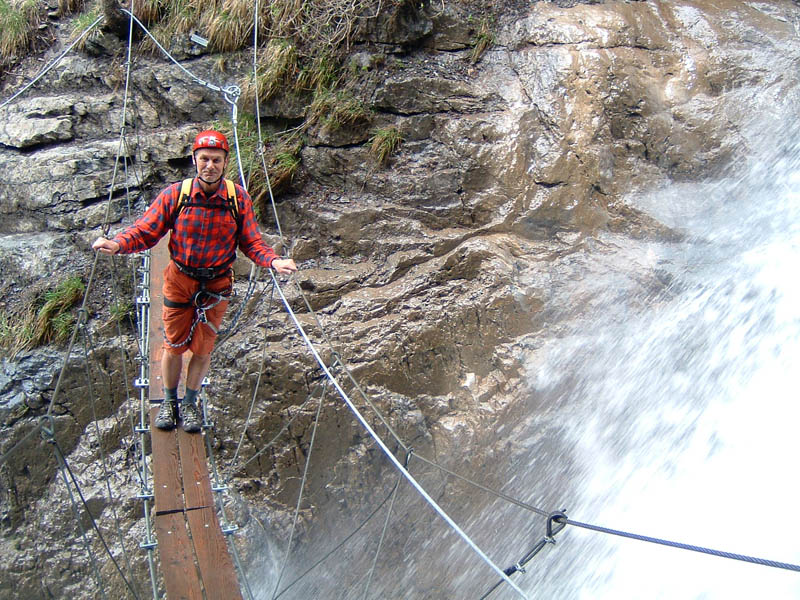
197,79
256,9
48,434
92,519
104,457
341,543
388,452
143,311
682,546
261,365
303,481
53,62
50,438
383,533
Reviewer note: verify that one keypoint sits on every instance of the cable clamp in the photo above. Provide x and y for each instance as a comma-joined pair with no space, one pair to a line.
559,518
47,427
140,429
141,382
231,93
145,494
148,545
143,299
519,567
409,452
230,529
219,488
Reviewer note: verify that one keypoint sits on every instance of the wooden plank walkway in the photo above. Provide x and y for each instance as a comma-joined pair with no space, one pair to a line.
193,551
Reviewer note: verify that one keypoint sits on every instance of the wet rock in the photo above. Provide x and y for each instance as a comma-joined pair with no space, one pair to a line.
437,276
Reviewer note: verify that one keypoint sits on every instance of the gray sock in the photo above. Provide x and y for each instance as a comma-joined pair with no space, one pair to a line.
190,397
171,394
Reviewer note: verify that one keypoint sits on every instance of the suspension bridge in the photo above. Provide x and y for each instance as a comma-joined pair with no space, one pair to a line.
181,488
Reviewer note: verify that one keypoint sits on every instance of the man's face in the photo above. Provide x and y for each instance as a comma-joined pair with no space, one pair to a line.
211,163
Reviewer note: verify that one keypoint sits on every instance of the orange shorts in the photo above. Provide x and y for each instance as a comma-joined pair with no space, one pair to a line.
179,287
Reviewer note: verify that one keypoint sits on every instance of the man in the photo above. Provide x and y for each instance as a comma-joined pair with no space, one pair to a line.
207,226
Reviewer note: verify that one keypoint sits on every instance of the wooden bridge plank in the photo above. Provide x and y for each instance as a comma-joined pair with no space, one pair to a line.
177,561
210,547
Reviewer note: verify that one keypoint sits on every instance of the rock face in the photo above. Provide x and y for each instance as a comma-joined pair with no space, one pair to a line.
436,276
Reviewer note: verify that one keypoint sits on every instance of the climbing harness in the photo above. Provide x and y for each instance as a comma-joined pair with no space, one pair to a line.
202,301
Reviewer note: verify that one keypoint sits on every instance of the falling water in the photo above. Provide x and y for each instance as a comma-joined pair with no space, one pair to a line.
681,418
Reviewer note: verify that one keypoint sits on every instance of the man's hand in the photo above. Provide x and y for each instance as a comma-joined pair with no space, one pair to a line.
105,246
284,266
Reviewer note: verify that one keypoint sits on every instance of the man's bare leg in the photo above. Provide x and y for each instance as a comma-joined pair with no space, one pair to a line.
171,365
196,372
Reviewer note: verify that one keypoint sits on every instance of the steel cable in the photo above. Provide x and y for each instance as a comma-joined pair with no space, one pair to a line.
453,525
103,456
62,459
682,546
300,493
53,62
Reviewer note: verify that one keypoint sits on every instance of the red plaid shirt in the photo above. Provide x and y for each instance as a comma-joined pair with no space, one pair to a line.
201,237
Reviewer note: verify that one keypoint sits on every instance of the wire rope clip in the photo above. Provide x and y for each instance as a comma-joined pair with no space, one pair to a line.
219,488
559,518
232,93
143,299
141,382
145,494
142,429
229,529
47,429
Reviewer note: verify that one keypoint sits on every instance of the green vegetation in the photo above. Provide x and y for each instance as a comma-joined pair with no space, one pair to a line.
281,154
81,22
384,143
120,311
276,70
483,41
52,321
334,109
17,21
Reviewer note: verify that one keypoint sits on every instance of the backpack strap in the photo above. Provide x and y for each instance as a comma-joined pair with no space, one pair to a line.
186,195
234,203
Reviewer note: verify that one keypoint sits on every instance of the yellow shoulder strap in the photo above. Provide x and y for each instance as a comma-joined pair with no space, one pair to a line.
232,197
186,193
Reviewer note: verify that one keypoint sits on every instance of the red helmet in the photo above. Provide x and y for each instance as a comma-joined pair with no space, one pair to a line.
210,139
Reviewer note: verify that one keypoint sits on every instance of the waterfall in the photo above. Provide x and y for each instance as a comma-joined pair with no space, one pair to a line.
681,409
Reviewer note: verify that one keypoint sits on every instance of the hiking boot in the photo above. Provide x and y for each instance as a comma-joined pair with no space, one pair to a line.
165,419
191,417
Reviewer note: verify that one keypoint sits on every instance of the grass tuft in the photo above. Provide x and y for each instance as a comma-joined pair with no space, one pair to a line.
230,27
483,41
18,19
385,142
52,322
276,70
337,109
